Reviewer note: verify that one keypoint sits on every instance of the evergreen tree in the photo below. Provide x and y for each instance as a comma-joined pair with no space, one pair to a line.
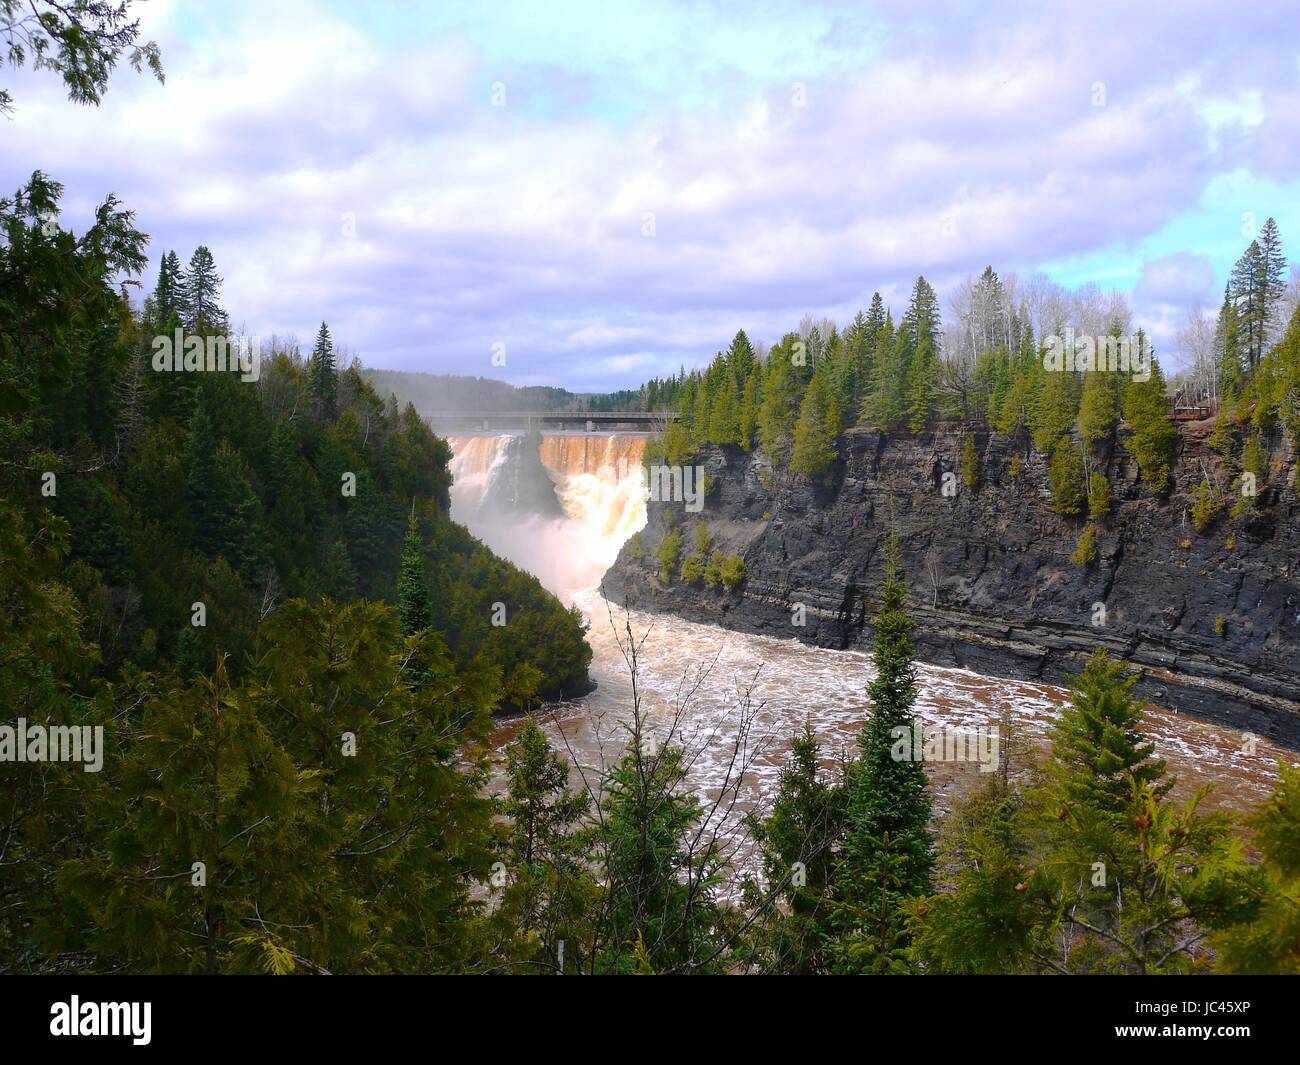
323,374
413,606
169,295
1152,436
813,449
797,844
886,854
740,360
1065,475
750,408
551,891
1266,940
203,314
659,912
203,482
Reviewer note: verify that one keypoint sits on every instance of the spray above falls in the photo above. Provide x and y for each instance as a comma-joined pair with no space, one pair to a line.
558,505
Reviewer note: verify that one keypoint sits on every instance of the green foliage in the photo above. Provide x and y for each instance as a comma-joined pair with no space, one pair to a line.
1254,457
1098,496
661,874
885,855
413,605
1151,435
670,554
80,40
1091,869
323,374
813,450
731,571
1206,505
551,892
1268,939
693,569
1085,553
796,843
1065,475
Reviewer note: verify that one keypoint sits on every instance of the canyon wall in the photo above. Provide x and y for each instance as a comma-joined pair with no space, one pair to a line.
1211,620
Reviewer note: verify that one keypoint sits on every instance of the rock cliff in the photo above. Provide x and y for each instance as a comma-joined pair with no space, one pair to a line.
1210,619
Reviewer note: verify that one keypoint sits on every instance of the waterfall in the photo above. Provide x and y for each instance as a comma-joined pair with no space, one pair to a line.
597,481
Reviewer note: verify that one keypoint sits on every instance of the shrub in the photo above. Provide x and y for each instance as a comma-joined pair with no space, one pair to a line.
1205,506
693,570
1098,496
703,541
670,553
732,571
1085,553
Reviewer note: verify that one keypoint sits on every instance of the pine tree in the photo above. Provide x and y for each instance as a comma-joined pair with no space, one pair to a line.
921,326
886,400
203,481
1097,744
660,878
169,295
750,407
203,314
797,844
551,891
886,853
740,360
813,449
323,376
413,605
1098,408
1267,940
1152,435
1065,475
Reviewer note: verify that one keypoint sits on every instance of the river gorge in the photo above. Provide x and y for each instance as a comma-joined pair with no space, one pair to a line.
565,506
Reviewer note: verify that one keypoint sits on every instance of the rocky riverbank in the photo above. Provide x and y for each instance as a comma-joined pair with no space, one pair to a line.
1210,619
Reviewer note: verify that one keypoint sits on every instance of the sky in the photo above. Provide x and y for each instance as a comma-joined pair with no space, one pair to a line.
599,192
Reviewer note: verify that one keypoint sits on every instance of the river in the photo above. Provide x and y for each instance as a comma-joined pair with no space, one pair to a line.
698,675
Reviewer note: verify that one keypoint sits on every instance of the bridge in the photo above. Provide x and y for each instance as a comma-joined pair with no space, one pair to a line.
553,420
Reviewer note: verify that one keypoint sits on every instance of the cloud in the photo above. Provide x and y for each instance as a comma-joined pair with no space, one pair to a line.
650,187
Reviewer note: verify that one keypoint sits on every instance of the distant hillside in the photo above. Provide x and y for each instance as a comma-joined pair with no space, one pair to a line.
432,393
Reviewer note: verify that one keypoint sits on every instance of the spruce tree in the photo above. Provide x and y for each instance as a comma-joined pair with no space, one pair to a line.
323,375
1152,435
202,285
413,605
886,853
797,844
813,448
203,481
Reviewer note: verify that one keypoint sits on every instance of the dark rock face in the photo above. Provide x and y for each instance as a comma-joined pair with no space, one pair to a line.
1211,620
521,484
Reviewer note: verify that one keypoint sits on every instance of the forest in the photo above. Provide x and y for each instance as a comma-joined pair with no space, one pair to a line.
252,589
